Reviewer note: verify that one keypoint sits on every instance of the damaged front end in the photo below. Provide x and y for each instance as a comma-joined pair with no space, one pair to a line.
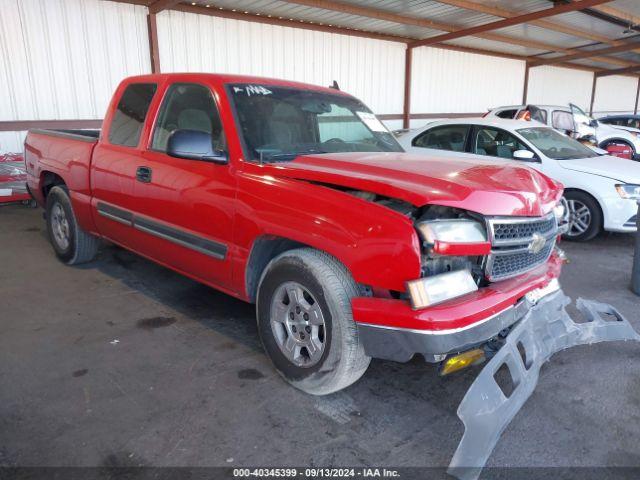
486,409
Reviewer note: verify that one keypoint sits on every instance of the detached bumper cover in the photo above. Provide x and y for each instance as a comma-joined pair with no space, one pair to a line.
543,331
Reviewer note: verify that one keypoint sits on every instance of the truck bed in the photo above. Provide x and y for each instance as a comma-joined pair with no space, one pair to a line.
65,154
82,135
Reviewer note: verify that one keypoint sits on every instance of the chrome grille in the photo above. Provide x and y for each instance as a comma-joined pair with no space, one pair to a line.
507,232
512,242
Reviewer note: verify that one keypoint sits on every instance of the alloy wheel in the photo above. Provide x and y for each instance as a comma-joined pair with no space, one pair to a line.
579,218
60,226
298,324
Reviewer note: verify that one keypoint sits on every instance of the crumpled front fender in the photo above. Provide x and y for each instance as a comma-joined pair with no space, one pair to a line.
547,328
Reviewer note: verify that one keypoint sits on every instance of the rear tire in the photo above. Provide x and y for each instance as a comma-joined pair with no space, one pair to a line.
71,244
306,324
585,217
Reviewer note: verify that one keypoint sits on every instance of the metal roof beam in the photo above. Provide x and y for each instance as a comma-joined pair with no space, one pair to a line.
625,47
507,22
618,71
160,5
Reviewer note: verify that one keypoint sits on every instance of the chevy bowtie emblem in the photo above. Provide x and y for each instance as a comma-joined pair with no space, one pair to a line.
537,243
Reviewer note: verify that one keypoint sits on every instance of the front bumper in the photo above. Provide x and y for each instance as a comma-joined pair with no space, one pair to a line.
619,215
400,344
391,330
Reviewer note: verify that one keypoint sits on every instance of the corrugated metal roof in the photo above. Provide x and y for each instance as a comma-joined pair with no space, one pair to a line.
484,44
590,24
283,10
526,31
629,6
431,10
454,18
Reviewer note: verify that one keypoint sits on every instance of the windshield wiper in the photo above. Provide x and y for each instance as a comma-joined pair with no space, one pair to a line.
285,156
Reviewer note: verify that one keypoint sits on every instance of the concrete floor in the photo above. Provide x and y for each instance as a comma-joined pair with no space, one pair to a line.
122,362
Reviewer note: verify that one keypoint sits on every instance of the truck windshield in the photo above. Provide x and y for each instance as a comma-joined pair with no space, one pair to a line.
555,145
280,123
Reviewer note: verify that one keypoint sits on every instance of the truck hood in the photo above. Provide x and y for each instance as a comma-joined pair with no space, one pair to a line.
620,169
483,187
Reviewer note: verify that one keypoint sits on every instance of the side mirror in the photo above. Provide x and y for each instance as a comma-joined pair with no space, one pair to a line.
194,145
525,155
593,123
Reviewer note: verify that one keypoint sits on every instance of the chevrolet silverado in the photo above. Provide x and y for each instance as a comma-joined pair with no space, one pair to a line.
298,199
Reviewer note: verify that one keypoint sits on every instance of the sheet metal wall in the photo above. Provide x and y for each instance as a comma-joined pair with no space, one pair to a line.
615,94
558,86
446,81
62,59
372,70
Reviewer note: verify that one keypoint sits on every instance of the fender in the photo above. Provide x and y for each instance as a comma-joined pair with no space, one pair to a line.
379,246
69,159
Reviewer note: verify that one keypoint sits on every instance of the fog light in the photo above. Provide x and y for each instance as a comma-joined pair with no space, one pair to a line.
439,288
463,360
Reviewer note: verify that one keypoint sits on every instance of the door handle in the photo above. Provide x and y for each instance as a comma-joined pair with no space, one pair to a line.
143,174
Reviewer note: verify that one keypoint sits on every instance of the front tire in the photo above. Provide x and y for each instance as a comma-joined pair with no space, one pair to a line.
585,217
71,244
305,321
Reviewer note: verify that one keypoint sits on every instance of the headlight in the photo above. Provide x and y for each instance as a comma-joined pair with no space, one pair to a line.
452,231
628,190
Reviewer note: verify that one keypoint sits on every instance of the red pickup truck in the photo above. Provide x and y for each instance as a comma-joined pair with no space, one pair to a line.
296,198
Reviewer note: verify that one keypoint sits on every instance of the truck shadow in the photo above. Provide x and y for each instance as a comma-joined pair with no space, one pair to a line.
389,398
213,309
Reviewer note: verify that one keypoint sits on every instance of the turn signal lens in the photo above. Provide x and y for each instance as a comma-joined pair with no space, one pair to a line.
462,360
439,288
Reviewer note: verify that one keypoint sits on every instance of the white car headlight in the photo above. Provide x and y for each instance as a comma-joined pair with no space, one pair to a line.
629,190
452,231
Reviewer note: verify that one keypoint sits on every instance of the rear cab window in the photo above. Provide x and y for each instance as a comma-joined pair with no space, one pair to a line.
131,112
447,137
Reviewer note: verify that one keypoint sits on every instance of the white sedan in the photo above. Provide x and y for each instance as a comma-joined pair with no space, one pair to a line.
601,190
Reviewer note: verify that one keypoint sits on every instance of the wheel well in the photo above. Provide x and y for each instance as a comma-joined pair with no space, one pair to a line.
592,197
265,249
616,140
50,180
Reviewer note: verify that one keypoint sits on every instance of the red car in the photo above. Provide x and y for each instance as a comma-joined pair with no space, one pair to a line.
296,198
